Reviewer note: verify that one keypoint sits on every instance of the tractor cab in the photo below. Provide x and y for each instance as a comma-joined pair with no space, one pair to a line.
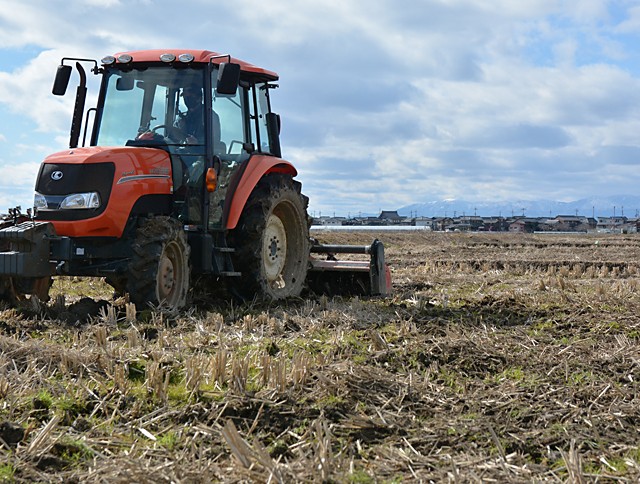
172,109
207,116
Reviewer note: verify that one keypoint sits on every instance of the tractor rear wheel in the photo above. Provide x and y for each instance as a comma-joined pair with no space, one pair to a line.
271,241
159,269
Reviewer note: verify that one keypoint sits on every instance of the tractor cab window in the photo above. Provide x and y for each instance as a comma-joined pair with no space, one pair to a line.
156,105
152,104
229,110
230,121
263,108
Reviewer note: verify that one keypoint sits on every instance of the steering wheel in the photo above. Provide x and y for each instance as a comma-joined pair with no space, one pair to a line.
160,126
171,132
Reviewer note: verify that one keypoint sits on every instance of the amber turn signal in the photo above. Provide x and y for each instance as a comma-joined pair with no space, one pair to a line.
211,180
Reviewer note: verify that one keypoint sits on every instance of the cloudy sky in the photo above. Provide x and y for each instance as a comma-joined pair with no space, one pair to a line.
384,102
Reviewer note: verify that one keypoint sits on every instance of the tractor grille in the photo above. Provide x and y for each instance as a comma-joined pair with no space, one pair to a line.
55,181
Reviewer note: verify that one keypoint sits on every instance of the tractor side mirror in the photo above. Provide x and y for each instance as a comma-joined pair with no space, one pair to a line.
228,78
63,74
273,131
125,83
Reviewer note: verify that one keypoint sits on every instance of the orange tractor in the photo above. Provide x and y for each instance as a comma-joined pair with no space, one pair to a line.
181,180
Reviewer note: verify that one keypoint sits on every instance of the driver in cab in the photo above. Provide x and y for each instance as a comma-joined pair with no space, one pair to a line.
189,127
191,123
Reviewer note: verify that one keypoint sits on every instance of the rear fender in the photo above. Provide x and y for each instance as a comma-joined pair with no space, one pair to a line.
257,167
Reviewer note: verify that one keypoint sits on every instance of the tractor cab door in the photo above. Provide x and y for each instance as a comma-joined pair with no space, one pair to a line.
242,119
231,144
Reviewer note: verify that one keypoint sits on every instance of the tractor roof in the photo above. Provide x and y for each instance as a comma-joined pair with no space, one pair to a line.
202,56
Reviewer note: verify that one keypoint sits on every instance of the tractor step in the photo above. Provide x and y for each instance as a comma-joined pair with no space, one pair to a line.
222,258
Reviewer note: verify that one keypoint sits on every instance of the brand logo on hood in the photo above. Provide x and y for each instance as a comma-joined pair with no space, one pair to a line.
56,175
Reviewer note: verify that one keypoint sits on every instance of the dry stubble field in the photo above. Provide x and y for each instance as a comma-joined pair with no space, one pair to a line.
511,358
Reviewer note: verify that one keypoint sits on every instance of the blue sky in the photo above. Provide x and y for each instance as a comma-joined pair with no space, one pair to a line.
384,103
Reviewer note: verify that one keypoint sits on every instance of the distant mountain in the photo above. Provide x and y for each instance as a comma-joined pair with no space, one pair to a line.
627,205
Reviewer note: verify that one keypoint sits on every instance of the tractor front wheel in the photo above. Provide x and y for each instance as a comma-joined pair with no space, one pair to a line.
159,269
271,241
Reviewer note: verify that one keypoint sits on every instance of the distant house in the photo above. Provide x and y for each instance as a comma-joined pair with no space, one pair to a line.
611,224
459,226
390,217
473,222
329,221
426,222
493,224
441,223
524,225
573,223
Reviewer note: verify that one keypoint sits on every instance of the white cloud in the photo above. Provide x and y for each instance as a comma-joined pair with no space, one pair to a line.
381,103
27,92
631,25
17,182
104,3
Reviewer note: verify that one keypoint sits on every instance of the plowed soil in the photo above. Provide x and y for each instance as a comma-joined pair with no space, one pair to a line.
499,357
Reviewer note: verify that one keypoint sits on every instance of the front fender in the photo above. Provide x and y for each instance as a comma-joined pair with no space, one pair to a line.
257,167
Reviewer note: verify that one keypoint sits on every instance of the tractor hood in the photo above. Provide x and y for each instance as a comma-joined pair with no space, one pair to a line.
120,155
100,186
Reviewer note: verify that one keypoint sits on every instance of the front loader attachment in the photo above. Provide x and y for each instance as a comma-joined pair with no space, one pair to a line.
349,277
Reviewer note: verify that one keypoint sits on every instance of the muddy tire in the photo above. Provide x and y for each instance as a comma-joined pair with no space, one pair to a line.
7,291
13,290
159,269
41,288
118,283
271,241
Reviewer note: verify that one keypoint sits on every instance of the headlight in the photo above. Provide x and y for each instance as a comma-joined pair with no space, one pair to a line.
81,200
39,201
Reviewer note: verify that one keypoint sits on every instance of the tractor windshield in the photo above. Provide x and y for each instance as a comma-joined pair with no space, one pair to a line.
163,105
153,104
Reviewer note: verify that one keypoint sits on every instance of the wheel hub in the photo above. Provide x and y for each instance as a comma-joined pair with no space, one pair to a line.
166,277
274,253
